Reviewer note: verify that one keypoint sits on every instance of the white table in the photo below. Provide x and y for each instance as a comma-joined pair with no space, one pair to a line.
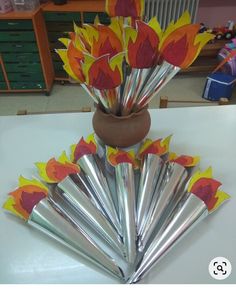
27,256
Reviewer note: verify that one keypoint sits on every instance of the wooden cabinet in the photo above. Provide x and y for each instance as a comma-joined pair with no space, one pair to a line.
25,60
59,21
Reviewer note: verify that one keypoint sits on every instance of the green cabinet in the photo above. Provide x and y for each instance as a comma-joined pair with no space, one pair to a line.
20,55
3,84
88,17
58,25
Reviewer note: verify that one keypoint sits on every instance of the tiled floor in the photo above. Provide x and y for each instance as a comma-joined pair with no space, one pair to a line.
72,97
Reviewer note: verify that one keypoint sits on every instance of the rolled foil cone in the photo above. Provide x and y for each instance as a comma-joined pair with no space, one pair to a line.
46,219
89,90
150,173
133,85
80,180
101,148
183,220
80,202
100,96
168,188
158,79
70,214
126,202
97,180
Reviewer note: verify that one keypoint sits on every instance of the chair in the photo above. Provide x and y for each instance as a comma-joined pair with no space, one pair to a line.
165,101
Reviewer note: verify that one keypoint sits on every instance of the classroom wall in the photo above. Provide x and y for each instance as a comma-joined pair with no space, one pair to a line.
216,12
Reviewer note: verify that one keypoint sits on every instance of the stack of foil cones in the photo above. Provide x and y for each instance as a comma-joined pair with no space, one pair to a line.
120,210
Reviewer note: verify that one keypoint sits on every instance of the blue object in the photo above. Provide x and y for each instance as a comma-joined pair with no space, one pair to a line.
218,85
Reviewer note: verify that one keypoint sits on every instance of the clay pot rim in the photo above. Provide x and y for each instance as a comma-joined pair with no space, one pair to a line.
122,117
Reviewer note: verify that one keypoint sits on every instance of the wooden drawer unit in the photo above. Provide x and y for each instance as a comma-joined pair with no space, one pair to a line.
62,17
59,21
25,54
15,25
17,36
21,58
58,25
88,17
3,84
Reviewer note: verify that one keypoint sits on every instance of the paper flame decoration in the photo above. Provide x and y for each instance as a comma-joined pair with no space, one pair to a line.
158,147
181,43
72,57
84,147
104,72
125,8
22,201
55,171
97,40
101,57
184,160
116,156
107,40
142,44
206,188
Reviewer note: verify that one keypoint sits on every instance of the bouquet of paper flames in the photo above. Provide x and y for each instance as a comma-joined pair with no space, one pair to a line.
122,66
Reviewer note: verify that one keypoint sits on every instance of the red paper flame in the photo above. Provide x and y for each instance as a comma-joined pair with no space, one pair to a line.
184,160
101,76
178,49
155,148
124,8
57,171
143,52
206,189
84,148
117,156
26,198
107,43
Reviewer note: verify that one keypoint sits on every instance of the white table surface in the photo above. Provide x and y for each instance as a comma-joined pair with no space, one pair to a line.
27,256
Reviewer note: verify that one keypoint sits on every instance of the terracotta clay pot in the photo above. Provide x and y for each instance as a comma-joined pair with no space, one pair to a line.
121,131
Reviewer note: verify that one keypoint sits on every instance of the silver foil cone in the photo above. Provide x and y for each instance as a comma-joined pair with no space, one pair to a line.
166,191
50,222
100,96
126,199
88,89
81,203
62,206
187,216
150,173
135,81
80,180
97,180
159,78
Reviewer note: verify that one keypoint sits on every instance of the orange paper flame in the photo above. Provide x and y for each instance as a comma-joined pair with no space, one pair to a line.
142,45
72,57
84,147
206,188
181,43
23,199
107,42
184,160
75,57
158,147
117,156
125,8
55,171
